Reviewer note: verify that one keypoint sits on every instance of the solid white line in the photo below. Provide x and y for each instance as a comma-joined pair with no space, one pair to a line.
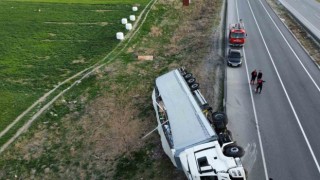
238,17
285,91
290,47
254,108
256,118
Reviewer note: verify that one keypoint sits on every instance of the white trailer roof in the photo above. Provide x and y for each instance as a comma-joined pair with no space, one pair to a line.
188,124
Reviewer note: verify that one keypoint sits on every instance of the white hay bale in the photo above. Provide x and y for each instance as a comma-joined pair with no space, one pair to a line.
134,8
120,35
128,26
132,17
124,21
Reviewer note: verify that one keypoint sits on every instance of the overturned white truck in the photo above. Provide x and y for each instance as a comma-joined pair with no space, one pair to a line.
195,139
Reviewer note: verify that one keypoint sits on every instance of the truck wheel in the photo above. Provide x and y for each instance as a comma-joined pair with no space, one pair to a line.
220,117
187,76
194,86
191,81
234,151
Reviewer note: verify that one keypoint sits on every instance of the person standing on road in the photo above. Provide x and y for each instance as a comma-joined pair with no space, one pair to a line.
253,76
259,75
259,85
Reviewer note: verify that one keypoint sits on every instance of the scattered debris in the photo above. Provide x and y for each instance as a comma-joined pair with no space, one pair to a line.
145,58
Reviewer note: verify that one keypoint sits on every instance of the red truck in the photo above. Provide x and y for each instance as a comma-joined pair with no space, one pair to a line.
237,34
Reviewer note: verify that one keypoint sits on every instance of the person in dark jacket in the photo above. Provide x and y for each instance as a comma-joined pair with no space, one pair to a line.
259,85
253,76
259,75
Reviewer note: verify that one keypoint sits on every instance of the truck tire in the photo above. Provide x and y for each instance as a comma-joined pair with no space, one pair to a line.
187,76
194,86
220,116
191,81
233,151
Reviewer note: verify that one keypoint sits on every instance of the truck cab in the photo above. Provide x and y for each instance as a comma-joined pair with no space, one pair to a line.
207,162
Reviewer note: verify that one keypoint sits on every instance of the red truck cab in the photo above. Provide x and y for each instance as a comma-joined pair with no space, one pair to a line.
237,34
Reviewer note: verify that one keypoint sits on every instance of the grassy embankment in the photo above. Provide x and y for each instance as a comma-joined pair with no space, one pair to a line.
95,130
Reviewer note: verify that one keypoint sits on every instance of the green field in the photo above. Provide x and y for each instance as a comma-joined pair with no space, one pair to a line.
44,43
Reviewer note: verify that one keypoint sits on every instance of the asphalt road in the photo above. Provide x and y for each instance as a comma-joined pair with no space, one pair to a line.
307,11
278,128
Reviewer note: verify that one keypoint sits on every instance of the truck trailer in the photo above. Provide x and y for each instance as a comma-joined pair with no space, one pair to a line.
195,139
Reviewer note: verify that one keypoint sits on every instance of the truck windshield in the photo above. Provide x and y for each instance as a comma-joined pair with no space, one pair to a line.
237,35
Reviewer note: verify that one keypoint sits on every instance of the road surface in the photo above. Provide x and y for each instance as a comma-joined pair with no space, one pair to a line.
308,13
279,127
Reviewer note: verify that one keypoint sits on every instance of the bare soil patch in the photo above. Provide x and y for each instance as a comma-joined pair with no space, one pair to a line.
155,31
80,60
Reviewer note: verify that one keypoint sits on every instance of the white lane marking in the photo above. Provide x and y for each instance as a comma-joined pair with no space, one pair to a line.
317,15
251,155
285,91
256,119
254,108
